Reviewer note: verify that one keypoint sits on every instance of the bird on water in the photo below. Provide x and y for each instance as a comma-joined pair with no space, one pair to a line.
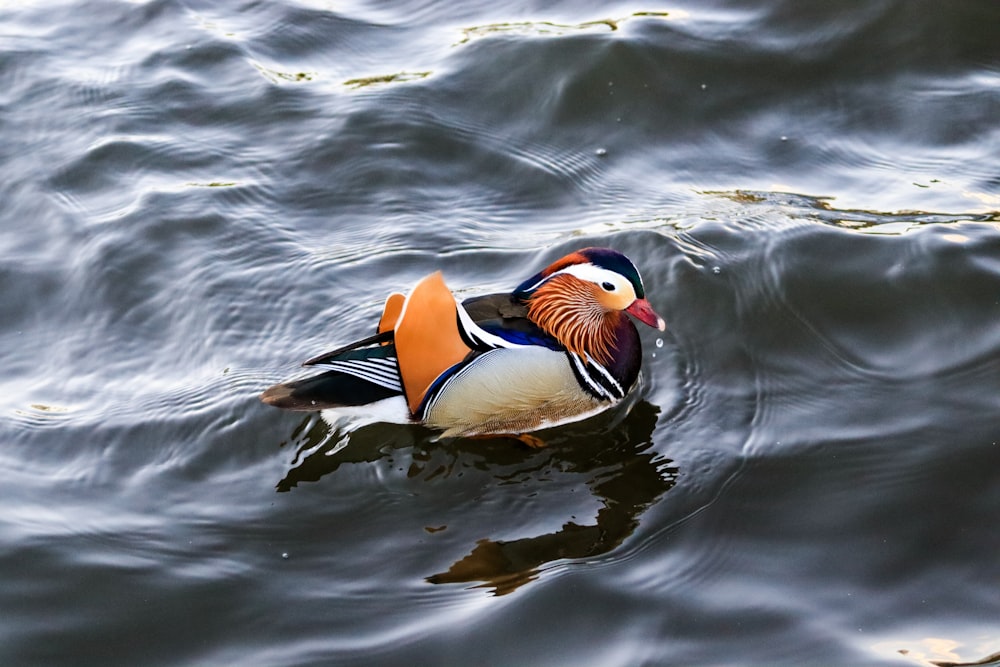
559,348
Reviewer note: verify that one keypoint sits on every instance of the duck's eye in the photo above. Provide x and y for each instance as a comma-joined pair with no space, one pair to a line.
609,287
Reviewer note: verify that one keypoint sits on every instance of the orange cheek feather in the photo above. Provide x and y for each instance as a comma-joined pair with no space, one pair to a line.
619,300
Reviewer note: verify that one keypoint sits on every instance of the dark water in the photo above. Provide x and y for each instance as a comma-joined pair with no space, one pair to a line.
197,196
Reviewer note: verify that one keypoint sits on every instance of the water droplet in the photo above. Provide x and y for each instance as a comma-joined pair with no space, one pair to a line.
704,86
285,555
659,342
601,152
784,138
717,270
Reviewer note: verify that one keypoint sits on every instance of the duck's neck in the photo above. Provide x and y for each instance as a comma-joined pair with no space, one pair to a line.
566,308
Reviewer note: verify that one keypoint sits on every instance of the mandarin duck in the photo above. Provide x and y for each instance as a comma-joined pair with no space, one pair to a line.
557,349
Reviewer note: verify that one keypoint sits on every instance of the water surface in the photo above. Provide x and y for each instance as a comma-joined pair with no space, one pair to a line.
198,196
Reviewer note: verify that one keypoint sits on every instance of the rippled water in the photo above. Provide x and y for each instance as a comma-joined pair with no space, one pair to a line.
197,196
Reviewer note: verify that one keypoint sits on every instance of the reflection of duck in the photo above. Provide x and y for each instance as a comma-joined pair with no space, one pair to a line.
612,457
557,349
625,475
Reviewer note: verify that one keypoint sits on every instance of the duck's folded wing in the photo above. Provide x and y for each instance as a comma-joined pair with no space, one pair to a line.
506,317
355,377
381,338
495,307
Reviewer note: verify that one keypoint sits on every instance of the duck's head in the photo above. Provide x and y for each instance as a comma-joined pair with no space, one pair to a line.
573,297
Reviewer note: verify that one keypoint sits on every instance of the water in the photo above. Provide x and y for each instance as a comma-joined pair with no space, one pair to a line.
198,196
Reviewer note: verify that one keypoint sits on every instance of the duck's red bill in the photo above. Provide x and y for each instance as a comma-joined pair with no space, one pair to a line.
644,312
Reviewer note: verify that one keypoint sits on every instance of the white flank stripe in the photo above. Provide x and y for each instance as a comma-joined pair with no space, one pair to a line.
582,370
607,374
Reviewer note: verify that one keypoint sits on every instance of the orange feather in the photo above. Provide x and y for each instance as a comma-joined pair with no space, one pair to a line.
391,312
568,308
427,338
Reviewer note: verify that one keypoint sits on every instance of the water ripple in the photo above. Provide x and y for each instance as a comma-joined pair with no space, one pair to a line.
196,197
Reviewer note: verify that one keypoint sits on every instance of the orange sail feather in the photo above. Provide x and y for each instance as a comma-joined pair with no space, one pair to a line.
427,339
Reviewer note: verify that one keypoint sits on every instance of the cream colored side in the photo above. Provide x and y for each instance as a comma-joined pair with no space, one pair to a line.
511,391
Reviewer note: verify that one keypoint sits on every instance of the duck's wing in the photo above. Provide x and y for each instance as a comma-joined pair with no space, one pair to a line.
362,372
495,307
506,317
356,376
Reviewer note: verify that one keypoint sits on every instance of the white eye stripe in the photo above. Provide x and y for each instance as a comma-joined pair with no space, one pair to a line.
594,274
597,275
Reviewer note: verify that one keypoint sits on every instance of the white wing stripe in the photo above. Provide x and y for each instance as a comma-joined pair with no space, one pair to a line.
476,333
378,378
360,366
376,371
